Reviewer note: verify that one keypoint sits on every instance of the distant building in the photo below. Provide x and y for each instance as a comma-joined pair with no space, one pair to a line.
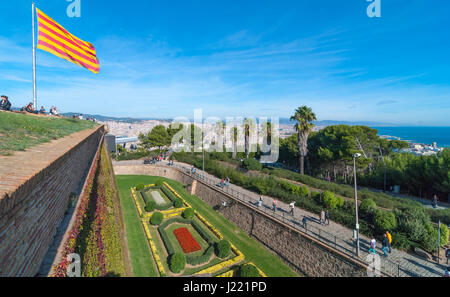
111,143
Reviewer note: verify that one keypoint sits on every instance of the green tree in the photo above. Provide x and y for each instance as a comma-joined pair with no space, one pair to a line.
304,118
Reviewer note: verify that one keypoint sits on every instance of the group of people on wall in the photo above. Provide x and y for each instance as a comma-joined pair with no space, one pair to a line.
6,105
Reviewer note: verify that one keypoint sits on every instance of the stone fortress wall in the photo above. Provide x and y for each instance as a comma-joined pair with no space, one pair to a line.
36,196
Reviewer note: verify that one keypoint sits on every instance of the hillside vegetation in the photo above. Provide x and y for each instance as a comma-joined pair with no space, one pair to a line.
20,131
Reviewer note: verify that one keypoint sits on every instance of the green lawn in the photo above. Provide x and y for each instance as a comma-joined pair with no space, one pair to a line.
20,131
139,250
269,263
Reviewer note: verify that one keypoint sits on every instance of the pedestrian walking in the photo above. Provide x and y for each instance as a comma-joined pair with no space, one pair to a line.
260,202
322,217
327,217
385,244
292,205
274,205
304,222
389,236
373,245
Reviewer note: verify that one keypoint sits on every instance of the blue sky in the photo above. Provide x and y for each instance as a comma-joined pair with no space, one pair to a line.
240,58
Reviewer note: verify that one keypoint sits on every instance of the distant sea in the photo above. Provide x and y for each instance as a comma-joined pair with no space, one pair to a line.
426,135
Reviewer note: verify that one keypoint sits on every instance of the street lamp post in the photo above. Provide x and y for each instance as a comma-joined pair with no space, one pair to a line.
356,203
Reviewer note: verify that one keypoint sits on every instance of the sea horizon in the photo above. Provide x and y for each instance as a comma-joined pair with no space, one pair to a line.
418,134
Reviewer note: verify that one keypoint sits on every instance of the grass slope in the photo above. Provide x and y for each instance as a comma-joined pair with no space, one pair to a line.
20,131
269,263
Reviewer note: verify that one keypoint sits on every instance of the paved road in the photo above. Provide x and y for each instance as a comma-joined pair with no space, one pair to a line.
398,262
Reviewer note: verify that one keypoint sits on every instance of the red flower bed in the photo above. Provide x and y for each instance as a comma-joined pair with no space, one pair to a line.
186,240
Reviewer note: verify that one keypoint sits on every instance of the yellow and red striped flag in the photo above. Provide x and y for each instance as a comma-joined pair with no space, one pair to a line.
54,39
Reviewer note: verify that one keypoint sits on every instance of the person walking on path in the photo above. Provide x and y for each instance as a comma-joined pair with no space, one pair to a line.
292,205
327,217
322,217
373,245
304,220
274,205
260,202
385,244
389,236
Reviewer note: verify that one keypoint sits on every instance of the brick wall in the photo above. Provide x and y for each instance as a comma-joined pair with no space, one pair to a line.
30,214
301,252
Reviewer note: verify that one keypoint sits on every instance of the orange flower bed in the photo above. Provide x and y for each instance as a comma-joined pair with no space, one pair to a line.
186,240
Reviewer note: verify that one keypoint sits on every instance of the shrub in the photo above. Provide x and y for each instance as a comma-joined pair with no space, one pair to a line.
156,218
159,183
223,248
400,241
140,187
412,222
178,203
248,270
316,196
368,207
430,239
197,260
188,213
150,206
332,201
384,220
168,193
177,262
444,234
251,164
304,192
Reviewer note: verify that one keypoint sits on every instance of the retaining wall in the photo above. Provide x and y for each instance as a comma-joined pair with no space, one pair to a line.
32,211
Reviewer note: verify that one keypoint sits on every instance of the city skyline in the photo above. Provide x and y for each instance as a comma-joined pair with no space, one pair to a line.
255,58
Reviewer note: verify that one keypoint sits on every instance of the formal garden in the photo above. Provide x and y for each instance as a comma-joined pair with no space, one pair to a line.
183,236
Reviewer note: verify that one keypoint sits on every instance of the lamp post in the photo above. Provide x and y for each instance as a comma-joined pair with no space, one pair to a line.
356,202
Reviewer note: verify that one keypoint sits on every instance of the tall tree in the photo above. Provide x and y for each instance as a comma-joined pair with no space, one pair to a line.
249,127
158,137
235,139
304,118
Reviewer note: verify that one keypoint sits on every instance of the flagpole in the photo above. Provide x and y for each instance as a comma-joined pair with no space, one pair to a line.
34,57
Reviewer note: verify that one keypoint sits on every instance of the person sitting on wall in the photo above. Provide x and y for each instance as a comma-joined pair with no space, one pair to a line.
29,108
4,103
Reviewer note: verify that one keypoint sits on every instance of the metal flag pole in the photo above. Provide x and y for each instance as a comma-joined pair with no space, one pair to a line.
34,57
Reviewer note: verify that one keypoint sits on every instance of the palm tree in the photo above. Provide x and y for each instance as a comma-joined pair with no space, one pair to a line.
304,117
249,127
235,138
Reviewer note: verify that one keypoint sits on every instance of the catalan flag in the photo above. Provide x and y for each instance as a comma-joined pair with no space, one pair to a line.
54,39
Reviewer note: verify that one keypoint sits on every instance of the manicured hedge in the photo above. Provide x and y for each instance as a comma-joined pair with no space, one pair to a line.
148,199
168,193
248,270
177,262
197,260
223,248
168,245
188,213
150,206
178,203
156,218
